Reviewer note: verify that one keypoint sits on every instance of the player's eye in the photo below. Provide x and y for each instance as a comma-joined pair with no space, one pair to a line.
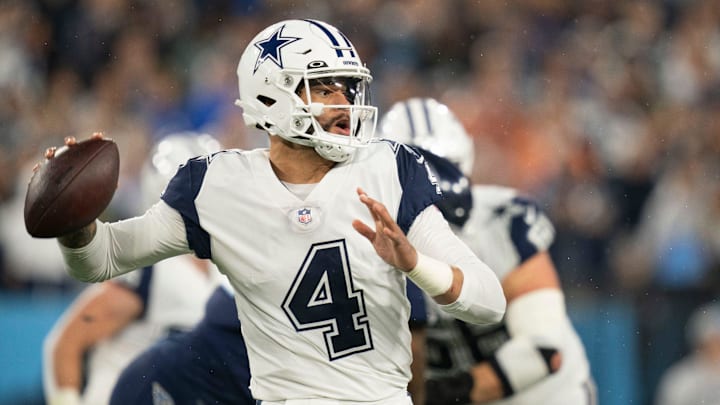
322,92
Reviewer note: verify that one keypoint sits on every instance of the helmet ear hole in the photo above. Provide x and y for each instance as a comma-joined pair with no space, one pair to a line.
266,100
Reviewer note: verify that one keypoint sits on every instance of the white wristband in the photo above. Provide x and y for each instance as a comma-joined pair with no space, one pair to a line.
433,276
64,396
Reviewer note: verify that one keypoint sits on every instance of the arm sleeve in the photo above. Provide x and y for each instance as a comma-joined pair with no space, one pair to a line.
120,247
522,230
481,299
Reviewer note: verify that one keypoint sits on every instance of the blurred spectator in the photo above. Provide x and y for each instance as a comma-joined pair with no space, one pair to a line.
29,262
695,379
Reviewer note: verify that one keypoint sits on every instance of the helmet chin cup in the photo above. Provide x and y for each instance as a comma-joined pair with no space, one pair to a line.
335,153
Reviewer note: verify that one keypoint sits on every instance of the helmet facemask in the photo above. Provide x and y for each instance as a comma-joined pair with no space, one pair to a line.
334,130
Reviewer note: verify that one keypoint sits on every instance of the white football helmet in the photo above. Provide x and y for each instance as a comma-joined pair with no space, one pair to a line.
430,125
288,57
166,156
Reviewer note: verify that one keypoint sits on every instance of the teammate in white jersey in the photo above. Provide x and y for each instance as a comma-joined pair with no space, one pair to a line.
320,293
114,321
534,356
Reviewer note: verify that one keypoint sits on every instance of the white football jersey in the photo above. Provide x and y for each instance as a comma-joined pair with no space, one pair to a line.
322,314
174,293
504,230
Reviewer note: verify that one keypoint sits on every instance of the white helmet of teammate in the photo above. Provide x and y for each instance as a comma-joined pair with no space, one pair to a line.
430,125
166,156
286,58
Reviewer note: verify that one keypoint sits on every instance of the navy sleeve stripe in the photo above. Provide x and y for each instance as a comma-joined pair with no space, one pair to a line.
180,194
418,309
141,289
520,228
420,188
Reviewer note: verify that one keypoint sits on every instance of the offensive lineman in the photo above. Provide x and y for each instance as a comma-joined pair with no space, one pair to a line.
534,356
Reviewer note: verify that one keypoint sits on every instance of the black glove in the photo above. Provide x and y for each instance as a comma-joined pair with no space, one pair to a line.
449,390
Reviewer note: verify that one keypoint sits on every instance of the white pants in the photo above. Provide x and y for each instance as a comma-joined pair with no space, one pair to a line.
400,399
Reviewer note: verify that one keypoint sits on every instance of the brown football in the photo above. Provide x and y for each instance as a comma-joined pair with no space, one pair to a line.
71,189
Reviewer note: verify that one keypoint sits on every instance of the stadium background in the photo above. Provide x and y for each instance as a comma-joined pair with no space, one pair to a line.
606,111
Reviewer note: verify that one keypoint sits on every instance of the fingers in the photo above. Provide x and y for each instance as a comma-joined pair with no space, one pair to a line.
50,152
385,225
371,205
364,230
556,361
394,235
69,141
383,221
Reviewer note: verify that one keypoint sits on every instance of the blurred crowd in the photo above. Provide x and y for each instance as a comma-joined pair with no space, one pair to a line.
608,112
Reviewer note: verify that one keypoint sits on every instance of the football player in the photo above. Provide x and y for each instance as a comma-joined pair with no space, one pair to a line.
206,365
317,234
534,356
112,322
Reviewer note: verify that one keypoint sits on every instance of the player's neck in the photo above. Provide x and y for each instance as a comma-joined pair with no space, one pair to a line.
297,164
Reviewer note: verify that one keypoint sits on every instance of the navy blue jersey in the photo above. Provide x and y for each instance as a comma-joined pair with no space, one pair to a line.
207,365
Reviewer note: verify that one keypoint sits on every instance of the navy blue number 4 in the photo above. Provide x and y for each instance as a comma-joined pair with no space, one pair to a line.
322,296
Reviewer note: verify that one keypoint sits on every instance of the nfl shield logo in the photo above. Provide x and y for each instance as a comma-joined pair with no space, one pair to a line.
304,216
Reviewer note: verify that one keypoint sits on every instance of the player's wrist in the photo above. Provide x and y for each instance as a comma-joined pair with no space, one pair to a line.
79,238
431,275
65,396
520,363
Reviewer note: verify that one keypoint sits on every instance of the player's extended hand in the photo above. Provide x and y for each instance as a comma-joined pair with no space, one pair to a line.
388,239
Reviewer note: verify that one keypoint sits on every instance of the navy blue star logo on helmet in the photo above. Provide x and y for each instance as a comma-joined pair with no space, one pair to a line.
270,48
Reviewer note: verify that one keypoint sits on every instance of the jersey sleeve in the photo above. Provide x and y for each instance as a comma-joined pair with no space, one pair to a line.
420,188
481,299
530,229
138,282
181,193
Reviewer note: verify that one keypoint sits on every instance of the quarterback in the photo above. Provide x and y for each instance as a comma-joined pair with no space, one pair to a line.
317,234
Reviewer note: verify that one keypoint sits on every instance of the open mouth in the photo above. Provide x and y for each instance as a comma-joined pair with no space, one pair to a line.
340,126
